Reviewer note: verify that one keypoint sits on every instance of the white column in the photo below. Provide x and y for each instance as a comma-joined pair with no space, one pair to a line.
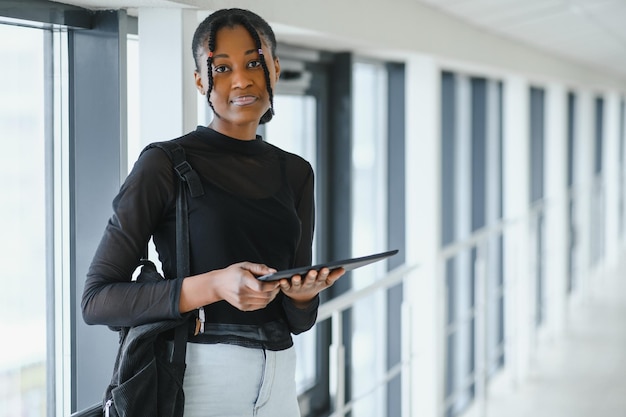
557,207
518,300
611,175
424,290
167,92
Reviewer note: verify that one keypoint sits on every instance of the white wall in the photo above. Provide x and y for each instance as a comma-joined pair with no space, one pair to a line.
167,91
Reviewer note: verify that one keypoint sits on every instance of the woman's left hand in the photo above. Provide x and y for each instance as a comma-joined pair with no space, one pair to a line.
302,290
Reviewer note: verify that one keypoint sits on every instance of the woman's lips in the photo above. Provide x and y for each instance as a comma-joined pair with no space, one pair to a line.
243,100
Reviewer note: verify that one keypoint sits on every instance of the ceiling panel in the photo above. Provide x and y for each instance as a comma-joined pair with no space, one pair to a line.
544,28
612,17
590,31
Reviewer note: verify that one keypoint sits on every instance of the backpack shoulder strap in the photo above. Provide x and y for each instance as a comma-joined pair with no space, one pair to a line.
185,172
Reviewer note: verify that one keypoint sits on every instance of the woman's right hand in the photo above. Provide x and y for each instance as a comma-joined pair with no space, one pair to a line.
236,284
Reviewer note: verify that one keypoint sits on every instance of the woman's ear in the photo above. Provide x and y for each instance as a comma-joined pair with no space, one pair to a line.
277,67
198,81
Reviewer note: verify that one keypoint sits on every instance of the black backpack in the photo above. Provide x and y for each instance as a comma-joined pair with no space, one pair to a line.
150,364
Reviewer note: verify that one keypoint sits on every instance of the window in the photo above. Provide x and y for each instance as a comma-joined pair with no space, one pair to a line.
572,275
622,167
300,127
26,309
369,198
598,199
471,201
537,140
132,89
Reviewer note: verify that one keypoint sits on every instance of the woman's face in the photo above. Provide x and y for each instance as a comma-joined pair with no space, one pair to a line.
239,95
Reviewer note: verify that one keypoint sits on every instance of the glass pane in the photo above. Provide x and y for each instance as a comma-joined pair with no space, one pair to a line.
23,218
369,196
368,165
132,72
294,130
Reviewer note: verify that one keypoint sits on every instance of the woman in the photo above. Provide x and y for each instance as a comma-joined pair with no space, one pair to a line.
257,210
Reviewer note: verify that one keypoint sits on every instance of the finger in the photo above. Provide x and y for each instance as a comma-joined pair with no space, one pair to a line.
256,301
324,272
257,269
334,275
310,278
268,286
250,277
296,281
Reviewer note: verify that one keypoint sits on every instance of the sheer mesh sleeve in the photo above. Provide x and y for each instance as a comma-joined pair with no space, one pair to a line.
110,297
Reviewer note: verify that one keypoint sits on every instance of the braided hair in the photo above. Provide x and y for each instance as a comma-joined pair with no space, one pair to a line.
255,25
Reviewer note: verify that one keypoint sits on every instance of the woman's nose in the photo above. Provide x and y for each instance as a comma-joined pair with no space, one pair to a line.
241,79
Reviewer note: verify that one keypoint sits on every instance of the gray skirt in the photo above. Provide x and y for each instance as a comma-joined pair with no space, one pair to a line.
231,381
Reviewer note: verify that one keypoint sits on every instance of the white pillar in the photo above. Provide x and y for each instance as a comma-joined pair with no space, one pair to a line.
425,289
167,91
516,186
556,196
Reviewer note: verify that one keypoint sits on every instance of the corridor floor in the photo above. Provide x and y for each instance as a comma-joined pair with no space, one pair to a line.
583,374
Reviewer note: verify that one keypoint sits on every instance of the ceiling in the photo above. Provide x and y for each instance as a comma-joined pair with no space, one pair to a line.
590,31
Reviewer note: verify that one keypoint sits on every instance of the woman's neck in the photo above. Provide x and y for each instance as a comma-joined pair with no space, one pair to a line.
240,132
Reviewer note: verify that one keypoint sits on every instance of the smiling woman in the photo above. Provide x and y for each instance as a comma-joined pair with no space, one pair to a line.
256,216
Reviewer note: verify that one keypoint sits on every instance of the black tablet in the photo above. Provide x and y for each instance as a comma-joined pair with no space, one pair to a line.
347,264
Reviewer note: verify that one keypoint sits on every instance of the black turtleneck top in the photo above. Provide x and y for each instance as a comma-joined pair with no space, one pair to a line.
257,206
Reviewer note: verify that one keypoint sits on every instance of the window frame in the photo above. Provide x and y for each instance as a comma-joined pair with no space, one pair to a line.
471,128
55,20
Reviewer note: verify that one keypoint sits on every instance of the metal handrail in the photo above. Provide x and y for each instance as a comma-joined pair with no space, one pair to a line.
476,239
331,310
347,300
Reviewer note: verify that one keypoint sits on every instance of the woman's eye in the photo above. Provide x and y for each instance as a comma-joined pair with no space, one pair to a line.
220,68
254,64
